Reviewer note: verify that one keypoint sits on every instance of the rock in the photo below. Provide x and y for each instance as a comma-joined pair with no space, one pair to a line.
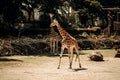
118,53
96,56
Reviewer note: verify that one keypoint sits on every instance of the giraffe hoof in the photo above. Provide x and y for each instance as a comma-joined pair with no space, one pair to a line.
70,67
58,68
80,66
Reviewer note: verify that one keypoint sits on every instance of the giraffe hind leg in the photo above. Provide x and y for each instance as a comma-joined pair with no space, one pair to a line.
77,56
56,45
53,46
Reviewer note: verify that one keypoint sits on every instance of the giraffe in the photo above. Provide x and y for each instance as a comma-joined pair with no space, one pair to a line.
68,42
53,38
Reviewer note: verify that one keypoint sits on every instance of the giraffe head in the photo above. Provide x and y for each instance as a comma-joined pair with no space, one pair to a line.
51,16
54,23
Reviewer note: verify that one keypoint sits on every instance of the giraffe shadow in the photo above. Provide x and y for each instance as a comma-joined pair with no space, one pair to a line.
6,60
79,69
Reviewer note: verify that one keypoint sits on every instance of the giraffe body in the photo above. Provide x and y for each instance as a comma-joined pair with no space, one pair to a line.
68,42
53,41
53,38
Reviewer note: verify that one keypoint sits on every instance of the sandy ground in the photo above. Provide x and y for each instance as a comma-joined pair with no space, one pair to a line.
45,68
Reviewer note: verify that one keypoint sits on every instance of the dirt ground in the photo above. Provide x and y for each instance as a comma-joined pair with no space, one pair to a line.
45,67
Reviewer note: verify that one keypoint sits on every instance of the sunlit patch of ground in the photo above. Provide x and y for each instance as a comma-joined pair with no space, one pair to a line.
45,67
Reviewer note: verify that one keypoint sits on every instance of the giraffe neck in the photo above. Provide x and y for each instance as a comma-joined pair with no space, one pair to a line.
63,33
52,32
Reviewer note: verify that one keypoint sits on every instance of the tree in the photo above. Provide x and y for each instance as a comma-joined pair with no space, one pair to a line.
10,10
89,9
50,5
110,3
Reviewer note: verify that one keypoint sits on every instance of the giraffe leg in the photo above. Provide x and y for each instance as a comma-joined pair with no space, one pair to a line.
71,59
62,50
77,52
53,46
56,45
69,54
76,57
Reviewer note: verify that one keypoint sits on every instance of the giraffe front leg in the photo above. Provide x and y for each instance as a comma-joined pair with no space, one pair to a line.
56,45
62,50
51,45
59,61
71,58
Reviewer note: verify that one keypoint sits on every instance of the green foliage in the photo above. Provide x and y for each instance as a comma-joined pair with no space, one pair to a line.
89,9
12,10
